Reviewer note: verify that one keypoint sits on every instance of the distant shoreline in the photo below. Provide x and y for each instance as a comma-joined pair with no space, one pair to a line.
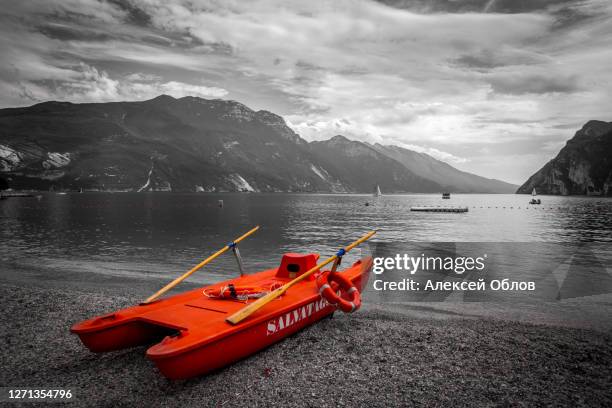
7,193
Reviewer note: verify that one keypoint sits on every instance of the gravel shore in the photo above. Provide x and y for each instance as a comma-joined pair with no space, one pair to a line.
370,358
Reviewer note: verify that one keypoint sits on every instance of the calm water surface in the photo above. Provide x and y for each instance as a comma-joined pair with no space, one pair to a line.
159,235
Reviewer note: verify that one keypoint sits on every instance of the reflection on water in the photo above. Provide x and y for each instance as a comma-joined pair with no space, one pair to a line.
162,234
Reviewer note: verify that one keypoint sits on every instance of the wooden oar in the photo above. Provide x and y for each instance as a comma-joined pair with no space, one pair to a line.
198,266
261,302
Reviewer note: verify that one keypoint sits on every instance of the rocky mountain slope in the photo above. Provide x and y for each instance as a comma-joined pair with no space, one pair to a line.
450,178
583,166
359,164
193,144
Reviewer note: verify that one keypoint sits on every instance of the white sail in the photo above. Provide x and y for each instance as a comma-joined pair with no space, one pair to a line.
377,193
534,200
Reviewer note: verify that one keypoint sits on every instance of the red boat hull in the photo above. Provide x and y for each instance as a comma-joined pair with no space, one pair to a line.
230,348
196,337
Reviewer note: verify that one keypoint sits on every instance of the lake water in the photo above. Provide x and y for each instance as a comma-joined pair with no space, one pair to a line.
134,241
161,234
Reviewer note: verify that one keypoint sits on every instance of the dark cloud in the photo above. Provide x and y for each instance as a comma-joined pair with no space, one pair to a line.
488,59
308,66
71,33
566,13
482,60
526,6
477,6
513,121
134,14
437,6
353,70
82,30
567,126
568,17
519,84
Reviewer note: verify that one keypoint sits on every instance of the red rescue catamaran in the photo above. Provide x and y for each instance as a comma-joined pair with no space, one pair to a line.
208,328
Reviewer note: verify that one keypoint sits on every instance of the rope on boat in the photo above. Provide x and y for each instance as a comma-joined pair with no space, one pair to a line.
243,294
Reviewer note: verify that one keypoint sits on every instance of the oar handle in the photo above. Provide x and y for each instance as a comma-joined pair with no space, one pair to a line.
261,302
198,266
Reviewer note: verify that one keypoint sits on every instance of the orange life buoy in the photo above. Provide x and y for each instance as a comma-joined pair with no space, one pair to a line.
324,283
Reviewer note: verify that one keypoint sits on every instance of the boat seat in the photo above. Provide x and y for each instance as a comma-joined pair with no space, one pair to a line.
180,316
293,265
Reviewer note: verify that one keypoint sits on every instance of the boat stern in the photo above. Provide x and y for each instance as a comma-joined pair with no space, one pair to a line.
114,332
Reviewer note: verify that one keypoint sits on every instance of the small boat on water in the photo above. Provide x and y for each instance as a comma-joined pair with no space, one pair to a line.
204,329
446,196
534,200
377,192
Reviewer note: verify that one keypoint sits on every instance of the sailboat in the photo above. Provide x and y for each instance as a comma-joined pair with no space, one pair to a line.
533,199
377,192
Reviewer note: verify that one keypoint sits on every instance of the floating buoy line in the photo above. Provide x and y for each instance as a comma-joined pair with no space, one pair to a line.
466,208
422,208
522,208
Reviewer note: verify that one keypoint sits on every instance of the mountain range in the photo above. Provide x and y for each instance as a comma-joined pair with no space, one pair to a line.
195,144
582,167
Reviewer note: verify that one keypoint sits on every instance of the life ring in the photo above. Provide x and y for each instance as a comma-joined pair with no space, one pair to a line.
325,282
232,292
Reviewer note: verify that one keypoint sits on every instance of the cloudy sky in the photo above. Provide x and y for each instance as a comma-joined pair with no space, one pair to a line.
495,87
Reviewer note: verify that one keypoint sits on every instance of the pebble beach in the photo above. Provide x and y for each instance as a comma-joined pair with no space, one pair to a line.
374,357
